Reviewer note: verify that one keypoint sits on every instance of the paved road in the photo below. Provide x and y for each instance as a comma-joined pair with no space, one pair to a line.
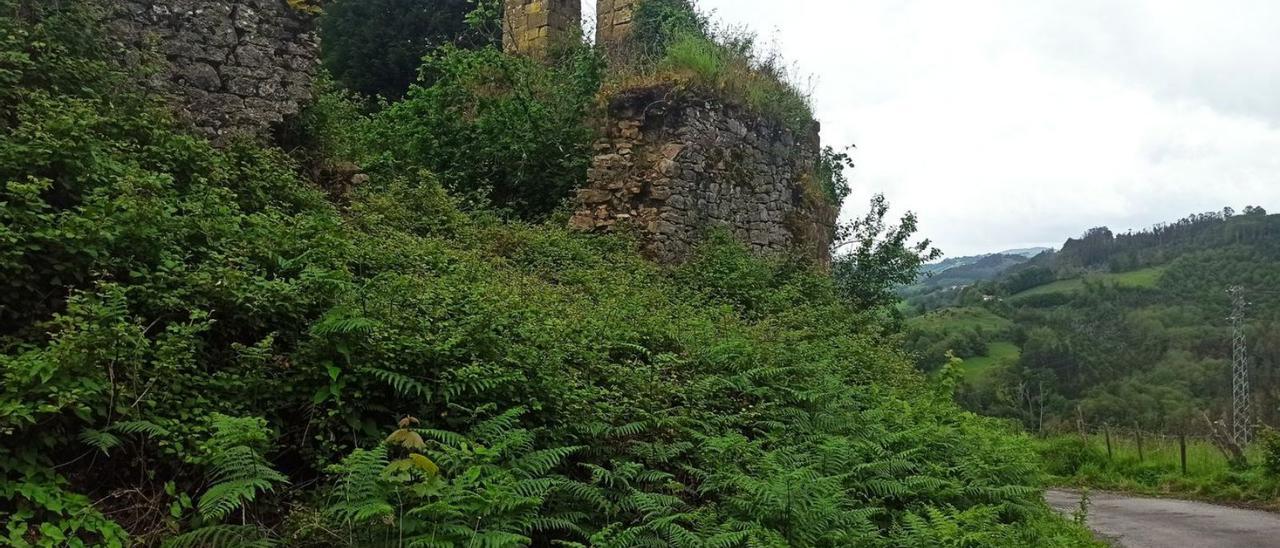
1134,522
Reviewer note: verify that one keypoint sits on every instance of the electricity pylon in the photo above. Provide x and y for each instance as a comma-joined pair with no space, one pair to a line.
1240,419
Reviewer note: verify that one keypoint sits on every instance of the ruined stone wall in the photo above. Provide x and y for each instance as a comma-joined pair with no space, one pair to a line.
673,169
230,65
534,27
613,22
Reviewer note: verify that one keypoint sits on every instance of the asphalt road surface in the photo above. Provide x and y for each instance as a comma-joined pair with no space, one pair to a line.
1134,522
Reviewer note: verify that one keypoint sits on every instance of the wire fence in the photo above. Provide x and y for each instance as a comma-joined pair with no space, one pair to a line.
1192,454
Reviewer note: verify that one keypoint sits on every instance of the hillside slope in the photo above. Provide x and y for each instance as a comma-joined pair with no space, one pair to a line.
1126,329
200,347
939,283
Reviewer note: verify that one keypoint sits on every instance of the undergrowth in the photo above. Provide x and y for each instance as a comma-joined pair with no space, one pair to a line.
198,349
1157,470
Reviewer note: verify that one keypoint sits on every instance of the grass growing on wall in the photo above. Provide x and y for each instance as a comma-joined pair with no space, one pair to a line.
676,44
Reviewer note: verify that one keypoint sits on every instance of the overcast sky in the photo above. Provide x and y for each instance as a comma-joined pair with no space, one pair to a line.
1012,123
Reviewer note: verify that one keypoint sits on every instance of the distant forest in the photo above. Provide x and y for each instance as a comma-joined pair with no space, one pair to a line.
1125,329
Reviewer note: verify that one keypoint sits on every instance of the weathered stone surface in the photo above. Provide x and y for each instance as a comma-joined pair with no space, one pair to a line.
694,164
234,66
534,27
613,24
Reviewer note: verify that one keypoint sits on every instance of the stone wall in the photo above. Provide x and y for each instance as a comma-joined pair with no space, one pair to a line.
613,22
675,168
534,27
230,65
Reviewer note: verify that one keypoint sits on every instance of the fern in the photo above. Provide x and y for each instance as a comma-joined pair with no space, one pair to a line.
237,470
100,440
342,322
491,488
402,384
140,427
541,462
222,536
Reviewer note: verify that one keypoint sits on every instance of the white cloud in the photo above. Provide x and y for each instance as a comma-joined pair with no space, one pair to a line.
1005,123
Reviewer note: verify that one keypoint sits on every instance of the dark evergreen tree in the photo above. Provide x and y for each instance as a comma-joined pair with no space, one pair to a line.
375,46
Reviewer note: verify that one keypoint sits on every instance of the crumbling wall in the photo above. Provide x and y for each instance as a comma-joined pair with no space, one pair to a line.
534,27
230,65
674,168
613,22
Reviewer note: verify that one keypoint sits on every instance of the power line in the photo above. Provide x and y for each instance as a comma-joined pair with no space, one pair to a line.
1240,412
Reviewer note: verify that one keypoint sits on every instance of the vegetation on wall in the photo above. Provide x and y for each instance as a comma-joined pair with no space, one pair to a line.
674,43
831,175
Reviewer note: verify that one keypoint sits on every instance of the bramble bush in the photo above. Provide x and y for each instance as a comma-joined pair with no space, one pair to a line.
198,349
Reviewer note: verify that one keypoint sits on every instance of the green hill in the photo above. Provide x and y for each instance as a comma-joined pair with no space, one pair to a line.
1146,277
938,283
1123,329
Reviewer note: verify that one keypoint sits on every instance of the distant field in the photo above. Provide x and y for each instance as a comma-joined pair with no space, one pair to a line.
1146,277
999,352
974,317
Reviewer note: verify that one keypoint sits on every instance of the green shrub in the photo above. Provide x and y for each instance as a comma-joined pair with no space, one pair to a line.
501,129
1067,456
656,24
1269,439
831,177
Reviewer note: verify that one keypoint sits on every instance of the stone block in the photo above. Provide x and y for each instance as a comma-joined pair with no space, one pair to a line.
221,53
200,76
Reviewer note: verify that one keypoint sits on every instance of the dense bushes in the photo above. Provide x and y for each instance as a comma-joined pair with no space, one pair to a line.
495,128
217,354
374,47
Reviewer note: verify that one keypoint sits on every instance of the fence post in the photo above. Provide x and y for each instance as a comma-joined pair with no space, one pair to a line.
1182,449
1106,431
1080,425
1140,457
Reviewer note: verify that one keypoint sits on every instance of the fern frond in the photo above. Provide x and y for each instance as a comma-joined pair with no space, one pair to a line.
338,322
225,497
100,440
451,439
237,471
541,462
402,384
140,427
494,428
219,536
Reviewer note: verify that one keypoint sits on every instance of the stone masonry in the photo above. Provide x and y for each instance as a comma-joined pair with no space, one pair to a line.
534,27
613,22
230,65
675,168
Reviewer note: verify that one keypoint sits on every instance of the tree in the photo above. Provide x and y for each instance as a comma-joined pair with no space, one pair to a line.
375,46
881,257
